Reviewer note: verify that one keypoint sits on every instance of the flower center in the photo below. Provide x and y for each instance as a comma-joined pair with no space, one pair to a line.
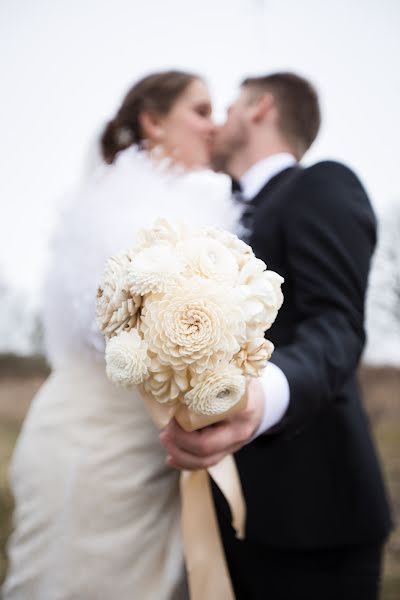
192,322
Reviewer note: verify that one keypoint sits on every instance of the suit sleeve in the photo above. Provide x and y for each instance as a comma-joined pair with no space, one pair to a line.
330,233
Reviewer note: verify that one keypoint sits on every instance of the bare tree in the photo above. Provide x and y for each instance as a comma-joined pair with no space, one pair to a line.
383,298
20,329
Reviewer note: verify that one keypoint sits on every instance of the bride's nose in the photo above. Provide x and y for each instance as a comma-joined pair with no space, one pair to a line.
211,129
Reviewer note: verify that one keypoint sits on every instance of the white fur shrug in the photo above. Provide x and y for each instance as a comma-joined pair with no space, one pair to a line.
102,218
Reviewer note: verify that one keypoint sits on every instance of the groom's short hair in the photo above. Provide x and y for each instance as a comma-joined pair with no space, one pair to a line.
298,107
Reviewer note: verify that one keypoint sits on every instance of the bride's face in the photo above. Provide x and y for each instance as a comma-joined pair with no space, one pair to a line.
187,131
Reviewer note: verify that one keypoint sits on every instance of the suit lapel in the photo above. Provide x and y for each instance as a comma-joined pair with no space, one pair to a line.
275,182
246,221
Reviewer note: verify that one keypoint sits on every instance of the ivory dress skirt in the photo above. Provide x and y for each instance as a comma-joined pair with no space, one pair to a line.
97,510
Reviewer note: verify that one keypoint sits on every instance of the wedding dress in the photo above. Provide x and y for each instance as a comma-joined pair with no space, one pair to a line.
97,509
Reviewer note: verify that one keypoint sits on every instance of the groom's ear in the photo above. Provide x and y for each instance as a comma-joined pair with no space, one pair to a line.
151,126
263,107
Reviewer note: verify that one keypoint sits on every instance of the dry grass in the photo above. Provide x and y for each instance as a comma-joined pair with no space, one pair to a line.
381,389
19,382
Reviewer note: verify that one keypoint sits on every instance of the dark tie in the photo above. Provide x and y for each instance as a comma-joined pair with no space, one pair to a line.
245,224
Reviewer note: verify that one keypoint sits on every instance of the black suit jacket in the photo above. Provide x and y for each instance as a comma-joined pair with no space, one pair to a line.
314,480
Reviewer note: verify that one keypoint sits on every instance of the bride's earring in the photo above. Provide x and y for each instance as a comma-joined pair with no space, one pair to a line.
124,137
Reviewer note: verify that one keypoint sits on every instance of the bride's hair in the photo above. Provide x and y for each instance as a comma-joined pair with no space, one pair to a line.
156,93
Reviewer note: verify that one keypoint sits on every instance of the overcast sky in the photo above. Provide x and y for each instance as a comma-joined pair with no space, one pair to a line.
66,64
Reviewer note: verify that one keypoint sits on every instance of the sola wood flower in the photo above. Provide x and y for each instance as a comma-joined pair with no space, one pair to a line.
253,356
261,295
196,323
210,259
116,308
164,383
162,230
242,251
127,359
153,269
217,392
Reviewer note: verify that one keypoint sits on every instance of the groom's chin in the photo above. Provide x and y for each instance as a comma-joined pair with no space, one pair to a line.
219,164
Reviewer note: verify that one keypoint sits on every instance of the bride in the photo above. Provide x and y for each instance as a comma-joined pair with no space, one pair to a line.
96,506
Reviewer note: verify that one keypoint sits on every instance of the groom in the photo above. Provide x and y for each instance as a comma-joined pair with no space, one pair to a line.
317,511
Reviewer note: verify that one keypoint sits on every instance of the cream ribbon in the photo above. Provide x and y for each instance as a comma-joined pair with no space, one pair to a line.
206,566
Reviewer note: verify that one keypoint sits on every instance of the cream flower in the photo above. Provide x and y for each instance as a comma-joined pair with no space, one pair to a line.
162,230
154,269
127,359
197,323
216,392
261,295
253,356
209,258
242,251
267,289
116,309
263,282
276,281
164,383
253,268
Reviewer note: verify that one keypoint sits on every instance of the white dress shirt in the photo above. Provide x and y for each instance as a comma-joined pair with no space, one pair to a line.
273,379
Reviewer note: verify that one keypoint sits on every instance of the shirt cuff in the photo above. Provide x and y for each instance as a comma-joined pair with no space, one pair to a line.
276,397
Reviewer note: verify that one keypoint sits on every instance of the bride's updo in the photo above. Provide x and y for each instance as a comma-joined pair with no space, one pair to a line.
157,93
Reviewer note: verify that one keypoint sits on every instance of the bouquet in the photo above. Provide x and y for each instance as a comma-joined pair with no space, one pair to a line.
184,313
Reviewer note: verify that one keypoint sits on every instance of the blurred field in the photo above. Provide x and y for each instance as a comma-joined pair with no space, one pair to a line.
381,389
20,379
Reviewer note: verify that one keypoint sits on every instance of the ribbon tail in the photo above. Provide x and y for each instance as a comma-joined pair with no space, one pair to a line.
226,476
208,573
207,570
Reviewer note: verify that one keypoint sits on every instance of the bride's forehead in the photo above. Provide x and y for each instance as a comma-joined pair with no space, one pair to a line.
197,90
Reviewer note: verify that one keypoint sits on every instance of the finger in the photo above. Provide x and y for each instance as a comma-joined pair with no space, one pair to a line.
174,435
179,459
204,442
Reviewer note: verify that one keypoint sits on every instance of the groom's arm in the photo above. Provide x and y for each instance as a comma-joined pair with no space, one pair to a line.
276,394
330,236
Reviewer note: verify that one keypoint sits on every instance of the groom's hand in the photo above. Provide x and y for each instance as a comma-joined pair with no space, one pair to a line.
206,447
